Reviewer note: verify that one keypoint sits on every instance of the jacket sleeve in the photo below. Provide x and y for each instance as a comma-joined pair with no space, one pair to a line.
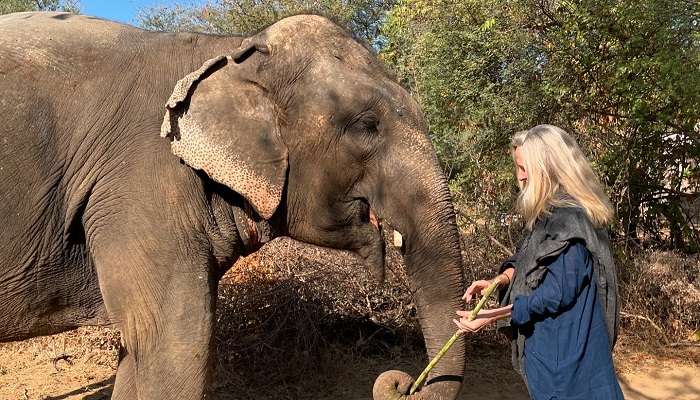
567,274
509,263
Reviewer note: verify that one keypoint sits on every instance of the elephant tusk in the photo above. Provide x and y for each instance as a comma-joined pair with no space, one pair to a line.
398,239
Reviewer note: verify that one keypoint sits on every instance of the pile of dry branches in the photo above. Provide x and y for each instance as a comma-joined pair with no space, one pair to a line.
290,308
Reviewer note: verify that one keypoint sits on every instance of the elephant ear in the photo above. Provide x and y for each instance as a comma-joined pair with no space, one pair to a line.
228,127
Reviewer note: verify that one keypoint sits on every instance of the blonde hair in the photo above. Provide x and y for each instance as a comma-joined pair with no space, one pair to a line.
558,175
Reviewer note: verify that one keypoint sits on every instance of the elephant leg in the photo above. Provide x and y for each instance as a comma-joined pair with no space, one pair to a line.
125,383
160,294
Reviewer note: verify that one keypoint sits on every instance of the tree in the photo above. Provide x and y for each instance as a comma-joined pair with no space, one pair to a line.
628,78
10,6
622,76
475,73
363,17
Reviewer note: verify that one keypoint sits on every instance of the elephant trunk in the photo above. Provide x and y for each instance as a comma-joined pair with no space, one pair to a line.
426,218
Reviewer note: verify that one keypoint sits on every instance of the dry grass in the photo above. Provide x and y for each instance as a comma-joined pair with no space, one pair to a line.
660,294
292,310
85,358
301,322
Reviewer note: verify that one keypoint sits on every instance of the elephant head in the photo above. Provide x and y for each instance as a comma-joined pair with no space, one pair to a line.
304,122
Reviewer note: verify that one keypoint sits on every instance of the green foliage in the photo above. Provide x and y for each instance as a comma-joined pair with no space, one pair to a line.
472,70
176,18
362,17
10,6
622,76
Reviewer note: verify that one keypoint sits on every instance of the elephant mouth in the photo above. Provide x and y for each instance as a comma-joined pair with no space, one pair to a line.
371,248
396,239
374,220
367,214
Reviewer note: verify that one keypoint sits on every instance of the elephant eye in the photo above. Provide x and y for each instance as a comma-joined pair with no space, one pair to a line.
366,122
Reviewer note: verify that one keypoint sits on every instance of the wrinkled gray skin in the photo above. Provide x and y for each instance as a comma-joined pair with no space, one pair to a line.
106,222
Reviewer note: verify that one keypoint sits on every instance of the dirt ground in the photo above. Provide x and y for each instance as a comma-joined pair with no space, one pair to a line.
81,365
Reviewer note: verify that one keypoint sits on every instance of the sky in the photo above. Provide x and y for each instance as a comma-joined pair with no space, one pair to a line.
121,10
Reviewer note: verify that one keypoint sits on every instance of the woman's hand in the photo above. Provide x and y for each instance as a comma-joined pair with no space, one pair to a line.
477,287
483,318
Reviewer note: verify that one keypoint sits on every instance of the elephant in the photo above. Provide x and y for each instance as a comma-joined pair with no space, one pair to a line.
136,167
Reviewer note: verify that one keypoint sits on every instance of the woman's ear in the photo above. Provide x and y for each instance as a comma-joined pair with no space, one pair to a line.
228,127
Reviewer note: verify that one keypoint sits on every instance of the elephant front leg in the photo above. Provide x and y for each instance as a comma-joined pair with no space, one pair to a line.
163,303
173,368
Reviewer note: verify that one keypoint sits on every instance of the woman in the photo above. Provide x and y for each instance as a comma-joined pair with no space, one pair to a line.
560,288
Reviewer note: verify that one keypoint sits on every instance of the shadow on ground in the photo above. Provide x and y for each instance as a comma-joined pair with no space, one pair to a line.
679,383
95,391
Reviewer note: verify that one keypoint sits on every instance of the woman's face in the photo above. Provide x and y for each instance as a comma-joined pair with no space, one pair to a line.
520,172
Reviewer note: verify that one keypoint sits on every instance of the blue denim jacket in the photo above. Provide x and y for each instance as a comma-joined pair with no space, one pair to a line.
550,236
566,352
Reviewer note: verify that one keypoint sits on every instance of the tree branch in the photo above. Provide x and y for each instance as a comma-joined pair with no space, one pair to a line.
645,318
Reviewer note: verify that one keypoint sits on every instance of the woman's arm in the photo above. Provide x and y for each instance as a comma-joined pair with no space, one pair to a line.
565,278
507,275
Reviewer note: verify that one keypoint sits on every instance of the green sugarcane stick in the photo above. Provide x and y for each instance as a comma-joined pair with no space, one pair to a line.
454,337
485,297
434,361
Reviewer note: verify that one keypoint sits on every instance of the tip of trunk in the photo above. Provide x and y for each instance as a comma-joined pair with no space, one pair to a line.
392,385
395,385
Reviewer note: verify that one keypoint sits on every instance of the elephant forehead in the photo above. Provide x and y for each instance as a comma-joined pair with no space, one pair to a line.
303,24
359,77
315,34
